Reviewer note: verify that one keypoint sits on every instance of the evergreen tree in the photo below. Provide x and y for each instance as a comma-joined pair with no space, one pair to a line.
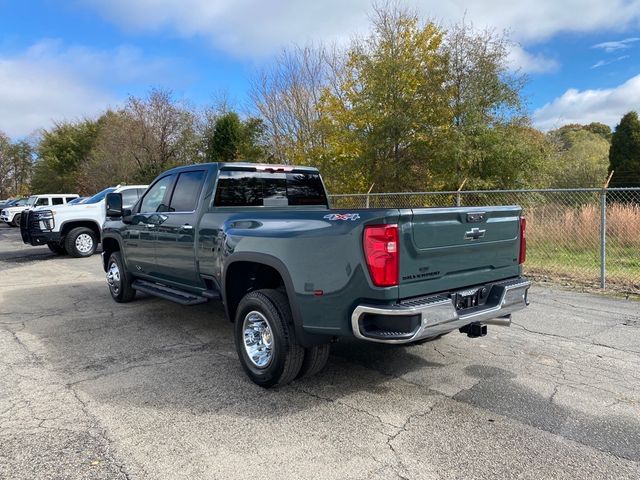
624,154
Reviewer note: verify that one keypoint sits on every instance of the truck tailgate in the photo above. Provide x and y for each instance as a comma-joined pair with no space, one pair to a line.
449,248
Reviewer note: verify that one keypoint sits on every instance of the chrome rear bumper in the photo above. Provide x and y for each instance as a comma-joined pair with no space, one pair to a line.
438,315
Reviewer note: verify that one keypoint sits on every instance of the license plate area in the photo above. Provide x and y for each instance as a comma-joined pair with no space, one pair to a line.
468,299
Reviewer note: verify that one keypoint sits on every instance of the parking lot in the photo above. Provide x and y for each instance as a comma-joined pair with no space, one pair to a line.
94,389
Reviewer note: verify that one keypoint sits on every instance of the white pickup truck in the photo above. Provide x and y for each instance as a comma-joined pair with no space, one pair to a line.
12,215
74,229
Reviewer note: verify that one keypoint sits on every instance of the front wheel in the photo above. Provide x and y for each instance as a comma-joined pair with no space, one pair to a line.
119,280
16,220
81,242
265,341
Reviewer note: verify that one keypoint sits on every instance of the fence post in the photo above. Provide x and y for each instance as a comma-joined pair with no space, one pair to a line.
603,233
370,188
458,198
603,238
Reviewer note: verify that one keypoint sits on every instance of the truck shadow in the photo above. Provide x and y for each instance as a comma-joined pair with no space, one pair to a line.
151,354
172,356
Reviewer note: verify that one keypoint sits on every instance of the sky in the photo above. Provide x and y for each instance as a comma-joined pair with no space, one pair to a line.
70,59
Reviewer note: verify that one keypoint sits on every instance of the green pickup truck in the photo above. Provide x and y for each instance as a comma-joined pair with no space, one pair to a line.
295,275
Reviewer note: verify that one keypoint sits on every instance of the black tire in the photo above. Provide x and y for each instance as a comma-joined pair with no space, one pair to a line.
286,355
315,359
71,242
56,248
121,289
16,220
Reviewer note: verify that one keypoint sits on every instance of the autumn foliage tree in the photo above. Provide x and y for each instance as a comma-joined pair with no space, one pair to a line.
391,105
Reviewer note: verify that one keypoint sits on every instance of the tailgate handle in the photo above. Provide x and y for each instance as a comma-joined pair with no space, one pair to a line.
476,217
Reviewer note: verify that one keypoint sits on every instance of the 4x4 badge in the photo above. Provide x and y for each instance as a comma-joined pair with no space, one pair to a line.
342,216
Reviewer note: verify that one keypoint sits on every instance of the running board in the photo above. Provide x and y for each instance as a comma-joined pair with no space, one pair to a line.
173,294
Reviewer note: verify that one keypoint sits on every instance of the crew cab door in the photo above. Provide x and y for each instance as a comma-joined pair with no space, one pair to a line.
175,241
141,234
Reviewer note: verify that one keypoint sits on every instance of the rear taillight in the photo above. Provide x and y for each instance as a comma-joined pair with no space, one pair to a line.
523,240
381,252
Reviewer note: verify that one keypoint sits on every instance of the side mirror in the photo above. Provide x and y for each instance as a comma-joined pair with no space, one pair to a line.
114,205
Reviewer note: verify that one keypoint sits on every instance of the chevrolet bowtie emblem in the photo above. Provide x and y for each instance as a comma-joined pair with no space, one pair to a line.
474,234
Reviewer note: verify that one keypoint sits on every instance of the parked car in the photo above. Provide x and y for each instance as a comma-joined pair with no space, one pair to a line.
77,200
73,228
12,215
13,202
295,275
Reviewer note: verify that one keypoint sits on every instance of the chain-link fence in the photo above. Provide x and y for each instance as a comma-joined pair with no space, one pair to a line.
582,236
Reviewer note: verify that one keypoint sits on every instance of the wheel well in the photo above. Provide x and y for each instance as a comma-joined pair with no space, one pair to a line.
67,227
109,245
244,277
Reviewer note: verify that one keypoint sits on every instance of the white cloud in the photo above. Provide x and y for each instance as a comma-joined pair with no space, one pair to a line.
49,82
520,59
584,106
602,63
617,44
257,27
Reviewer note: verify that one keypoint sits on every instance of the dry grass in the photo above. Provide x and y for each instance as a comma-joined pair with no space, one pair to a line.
579,227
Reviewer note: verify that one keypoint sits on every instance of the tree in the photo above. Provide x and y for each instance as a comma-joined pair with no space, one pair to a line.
287,96
111,160
146,137
580,160
61,152
390,104
490,141
5,167
163,133
20,156
624,154
600,129
229,139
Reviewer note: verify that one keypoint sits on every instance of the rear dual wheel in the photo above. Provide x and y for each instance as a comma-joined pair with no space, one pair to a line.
266,343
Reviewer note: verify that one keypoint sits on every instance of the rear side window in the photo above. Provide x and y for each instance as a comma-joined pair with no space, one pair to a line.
129,197
186,192
256,189
57,200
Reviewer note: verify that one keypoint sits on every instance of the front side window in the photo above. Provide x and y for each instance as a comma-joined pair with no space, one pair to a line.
153,199
42,202
186,192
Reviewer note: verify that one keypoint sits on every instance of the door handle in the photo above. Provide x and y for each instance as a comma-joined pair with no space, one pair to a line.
150,225
186,226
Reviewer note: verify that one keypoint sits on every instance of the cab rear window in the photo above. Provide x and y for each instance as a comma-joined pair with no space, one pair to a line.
269,189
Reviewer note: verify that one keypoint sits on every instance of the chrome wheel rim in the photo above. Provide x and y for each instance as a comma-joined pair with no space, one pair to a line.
258,339
84,243
113,278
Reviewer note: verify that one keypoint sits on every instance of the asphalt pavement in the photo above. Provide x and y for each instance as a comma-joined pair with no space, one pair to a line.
153,390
